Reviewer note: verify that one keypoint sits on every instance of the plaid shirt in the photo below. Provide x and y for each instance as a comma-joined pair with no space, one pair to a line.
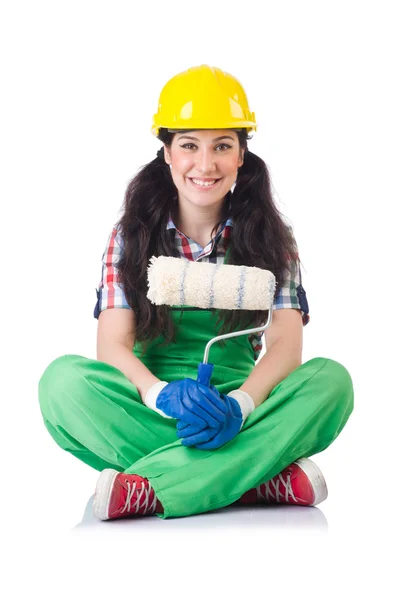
110,293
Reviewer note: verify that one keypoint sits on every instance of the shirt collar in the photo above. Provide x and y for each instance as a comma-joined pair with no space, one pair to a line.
228,222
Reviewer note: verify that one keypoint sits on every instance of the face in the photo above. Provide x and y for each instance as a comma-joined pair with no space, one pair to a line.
204,155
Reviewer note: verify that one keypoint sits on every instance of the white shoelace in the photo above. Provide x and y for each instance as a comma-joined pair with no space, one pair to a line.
276,483
137,506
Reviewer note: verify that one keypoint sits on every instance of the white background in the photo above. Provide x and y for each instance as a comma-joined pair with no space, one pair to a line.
80,84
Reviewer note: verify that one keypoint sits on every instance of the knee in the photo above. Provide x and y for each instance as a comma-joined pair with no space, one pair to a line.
57,377
341,384
341,375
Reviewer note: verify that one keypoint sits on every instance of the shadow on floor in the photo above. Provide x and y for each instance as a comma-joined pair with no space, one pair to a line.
259,516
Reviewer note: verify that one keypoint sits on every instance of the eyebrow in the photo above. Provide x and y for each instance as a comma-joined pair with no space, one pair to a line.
222,137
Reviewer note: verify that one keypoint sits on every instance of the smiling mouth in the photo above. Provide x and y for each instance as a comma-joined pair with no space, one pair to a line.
204,186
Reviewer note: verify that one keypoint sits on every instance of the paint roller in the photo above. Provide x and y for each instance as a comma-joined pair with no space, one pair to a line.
179,281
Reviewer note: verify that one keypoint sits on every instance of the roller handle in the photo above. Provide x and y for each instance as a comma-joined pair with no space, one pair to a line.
204,373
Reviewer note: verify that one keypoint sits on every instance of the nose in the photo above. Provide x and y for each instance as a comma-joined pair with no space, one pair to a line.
205,162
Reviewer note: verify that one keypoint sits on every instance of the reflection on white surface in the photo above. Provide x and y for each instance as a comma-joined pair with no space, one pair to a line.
281,517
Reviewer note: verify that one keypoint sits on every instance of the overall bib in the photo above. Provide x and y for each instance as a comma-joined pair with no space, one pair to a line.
94,412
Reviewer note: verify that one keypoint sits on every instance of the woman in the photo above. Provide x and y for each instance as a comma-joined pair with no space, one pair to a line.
164,443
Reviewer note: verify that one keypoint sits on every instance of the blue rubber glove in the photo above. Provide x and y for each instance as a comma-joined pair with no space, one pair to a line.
187,399
185,426
238,405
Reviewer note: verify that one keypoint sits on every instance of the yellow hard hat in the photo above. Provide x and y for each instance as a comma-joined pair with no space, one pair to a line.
203,98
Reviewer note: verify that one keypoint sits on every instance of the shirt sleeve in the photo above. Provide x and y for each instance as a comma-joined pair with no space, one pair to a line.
110,292
292,293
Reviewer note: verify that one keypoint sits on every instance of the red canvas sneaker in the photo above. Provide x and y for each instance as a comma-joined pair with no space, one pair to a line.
300,483
122,495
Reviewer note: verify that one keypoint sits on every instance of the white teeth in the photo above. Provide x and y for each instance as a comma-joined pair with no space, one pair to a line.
205,184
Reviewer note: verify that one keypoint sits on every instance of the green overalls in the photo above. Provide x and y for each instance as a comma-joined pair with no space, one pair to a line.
94,412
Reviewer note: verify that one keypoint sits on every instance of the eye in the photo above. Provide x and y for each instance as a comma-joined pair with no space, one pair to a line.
224,145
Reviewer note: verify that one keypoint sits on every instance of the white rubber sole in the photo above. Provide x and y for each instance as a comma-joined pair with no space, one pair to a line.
103,492
316,479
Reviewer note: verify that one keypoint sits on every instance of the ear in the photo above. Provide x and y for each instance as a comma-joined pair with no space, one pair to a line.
241,160
167,156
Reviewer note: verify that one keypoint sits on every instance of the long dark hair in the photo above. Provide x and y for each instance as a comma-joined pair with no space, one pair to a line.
260,237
